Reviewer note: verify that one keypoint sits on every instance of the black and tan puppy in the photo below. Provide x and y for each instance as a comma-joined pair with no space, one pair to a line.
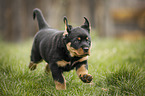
62,50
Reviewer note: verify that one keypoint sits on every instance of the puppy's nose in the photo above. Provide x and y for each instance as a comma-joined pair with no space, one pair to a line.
85,49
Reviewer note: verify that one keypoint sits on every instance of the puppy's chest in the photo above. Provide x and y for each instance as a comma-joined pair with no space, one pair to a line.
66,66
71,64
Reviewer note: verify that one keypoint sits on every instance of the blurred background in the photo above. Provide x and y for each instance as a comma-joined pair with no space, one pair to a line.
109,18
117,60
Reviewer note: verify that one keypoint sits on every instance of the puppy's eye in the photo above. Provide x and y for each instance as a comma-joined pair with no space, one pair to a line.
79,38
87,38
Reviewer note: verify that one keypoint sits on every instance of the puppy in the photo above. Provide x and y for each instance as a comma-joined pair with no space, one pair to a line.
62,50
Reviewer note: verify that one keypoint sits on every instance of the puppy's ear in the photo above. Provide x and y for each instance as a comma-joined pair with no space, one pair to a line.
67,27
86,25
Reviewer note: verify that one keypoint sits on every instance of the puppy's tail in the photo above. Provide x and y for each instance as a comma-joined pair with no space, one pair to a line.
41,21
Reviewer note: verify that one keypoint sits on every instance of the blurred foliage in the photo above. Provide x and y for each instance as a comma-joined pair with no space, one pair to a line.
108,17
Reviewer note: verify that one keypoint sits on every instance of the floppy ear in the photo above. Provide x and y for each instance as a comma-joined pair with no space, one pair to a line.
86,25
67,27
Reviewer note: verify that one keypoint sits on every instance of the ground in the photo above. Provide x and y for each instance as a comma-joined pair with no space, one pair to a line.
117,67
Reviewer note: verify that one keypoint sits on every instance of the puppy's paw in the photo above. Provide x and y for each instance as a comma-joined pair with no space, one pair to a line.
32,66
86,78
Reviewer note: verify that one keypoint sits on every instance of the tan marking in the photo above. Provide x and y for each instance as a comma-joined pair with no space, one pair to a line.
82,70
74,52
65,32
70,49
80,60
60,86
62,63
83,59
80,51
79,38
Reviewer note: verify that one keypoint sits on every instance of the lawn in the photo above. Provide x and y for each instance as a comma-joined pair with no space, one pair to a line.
117,67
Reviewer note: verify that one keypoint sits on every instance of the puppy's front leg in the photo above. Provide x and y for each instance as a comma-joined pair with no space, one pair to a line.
82,72
58,77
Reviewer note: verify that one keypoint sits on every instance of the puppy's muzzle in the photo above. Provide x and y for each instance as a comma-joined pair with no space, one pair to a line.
86,49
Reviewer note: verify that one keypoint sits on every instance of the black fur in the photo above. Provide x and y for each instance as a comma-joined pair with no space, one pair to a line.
50,45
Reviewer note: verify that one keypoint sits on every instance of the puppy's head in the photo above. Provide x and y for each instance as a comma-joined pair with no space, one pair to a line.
77,39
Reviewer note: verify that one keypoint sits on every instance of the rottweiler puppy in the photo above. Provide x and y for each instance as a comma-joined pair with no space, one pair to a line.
62,50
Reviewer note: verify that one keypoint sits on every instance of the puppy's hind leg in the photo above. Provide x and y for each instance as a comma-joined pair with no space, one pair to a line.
32,65
35,59
47,68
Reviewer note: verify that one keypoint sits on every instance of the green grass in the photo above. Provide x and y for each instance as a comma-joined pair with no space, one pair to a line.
117,66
